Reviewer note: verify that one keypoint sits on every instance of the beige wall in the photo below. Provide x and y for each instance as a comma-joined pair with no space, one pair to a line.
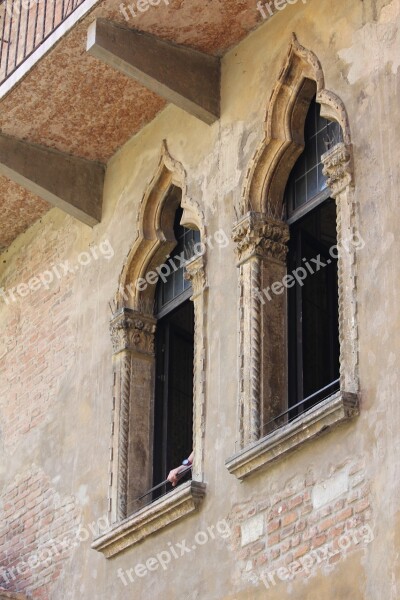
56,377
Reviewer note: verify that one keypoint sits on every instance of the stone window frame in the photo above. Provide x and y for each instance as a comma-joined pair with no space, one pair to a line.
261,237
132,331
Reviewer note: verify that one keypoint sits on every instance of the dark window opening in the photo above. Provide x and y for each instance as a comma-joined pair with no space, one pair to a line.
173,418
173,408
313,321
173,288
313,310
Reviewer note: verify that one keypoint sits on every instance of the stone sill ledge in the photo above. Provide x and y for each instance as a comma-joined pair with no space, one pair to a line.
338,408
11,595
161,513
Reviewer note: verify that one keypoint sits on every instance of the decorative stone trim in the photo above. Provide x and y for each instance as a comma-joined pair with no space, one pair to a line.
132,336
133,331
299,79
179,503
333,411
261,249
261,237
338,168
196,274
257,234
11,596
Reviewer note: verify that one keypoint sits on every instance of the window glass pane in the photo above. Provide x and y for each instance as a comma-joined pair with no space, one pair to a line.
172,285
307,180
313,308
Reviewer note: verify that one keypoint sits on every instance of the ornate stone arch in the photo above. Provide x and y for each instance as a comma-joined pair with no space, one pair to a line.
301,77
261,236
154,225
133,328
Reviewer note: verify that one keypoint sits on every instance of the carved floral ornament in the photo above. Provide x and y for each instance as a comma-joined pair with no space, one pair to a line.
258,235
338,168
196,274
300,79
132,331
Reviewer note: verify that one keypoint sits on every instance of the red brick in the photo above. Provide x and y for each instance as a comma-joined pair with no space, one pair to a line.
289,519
344,514
301,551
326,524
296,501
361,505
319,540
273,526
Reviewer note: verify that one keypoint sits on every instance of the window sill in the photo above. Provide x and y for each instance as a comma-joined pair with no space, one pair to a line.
161,513
339,408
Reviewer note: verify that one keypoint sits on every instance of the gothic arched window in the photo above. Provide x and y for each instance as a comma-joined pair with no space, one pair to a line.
313,325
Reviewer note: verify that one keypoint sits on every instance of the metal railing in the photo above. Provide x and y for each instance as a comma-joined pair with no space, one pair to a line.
25,25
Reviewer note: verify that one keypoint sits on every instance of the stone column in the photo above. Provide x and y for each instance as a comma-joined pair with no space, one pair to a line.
261,249
132,423
195,273
338,168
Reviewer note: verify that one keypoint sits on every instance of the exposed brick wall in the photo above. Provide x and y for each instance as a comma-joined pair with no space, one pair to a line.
37,341
38,532
320,520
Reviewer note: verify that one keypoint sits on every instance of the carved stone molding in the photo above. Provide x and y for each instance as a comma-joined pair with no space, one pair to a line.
257,234
133,331
261,238
338,409
155,238
184,500
196,274
338,168
300,79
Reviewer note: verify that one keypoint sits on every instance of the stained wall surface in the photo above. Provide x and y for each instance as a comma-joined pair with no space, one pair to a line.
56,374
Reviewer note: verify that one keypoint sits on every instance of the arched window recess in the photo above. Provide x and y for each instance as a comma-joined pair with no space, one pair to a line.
298,362
159,362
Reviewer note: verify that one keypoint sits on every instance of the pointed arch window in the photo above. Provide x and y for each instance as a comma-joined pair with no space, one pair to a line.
298,337
313,320
159,362
174,350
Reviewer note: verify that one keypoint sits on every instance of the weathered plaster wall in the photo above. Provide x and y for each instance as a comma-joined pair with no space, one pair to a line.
56,378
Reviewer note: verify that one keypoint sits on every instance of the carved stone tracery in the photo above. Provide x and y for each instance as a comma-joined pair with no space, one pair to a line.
132,331
257,234
261,238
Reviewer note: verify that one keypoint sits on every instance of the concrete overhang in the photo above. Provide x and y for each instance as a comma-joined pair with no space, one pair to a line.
64,99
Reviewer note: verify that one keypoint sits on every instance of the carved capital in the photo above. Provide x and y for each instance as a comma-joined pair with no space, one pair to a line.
196,274
338,168
131,330
258,235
